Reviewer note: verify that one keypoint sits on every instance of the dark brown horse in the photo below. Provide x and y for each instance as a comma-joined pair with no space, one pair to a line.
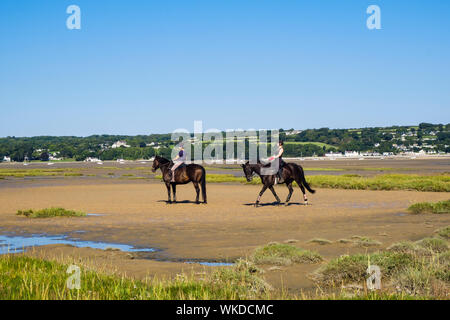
184,174
291,172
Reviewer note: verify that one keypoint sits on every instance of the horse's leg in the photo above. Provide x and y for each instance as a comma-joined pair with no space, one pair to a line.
174,190
197,189
289,185
264,188
203,185
169,200
305,199
274,194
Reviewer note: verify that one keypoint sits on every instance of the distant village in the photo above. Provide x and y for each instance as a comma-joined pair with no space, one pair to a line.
413,141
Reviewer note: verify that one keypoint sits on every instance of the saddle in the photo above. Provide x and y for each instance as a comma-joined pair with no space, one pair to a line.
181,166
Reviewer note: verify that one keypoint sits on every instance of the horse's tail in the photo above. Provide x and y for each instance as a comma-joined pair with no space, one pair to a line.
203,185
303,180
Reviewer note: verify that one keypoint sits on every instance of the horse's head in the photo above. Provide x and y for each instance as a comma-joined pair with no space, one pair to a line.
156,163
248,171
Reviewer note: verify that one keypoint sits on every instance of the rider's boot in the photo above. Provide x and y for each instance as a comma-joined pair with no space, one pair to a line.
278,178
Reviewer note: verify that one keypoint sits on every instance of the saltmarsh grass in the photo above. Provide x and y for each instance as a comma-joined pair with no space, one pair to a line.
320,241
50,212
284,254
20,173
419,269
365,241
430,207
435,183
26,278
410,270
444,232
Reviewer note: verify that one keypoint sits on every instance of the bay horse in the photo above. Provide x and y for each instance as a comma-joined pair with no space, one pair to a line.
184,174
291,172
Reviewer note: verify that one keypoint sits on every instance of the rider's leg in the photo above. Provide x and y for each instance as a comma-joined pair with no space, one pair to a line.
280,171
174,167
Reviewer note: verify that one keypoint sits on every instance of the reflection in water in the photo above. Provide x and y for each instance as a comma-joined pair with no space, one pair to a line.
12,244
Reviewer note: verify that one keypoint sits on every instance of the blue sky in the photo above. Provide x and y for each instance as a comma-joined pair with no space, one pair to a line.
140,67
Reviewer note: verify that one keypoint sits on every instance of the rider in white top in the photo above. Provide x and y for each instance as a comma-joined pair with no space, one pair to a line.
280,161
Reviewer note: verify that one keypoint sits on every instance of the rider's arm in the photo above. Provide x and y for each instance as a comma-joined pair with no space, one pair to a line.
280,153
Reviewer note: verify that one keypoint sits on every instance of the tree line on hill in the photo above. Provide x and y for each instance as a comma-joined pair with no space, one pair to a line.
304,143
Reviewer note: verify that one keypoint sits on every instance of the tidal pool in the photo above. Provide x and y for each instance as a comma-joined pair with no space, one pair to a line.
13,244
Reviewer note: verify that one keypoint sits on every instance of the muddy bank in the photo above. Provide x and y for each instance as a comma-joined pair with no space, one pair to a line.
227,228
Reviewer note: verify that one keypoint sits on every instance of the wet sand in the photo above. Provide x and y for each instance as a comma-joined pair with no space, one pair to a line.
228,227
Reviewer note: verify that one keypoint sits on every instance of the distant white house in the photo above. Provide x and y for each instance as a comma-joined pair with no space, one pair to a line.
119,144
6,159
289,133
90,159
333,155
351,154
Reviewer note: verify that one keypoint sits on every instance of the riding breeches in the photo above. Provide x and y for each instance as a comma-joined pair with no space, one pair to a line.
176,165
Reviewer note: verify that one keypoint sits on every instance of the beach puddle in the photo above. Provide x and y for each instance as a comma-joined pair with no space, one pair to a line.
212,264
13,244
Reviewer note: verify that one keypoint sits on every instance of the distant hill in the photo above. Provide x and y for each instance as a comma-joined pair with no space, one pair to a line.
431,138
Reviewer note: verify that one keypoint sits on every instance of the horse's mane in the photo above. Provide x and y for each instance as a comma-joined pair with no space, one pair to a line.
264,164
162,160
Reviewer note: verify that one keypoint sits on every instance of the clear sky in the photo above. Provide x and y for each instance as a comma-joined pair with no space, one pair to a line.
140,67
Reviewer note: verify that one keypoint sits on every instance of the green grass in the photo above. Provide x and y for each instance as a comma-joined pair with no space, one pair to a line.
435,183
434,245
50,212
283,254
444,232
365,242
420,269
26,278
352,268
20,173
72,174
430,207
409,271
319,144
